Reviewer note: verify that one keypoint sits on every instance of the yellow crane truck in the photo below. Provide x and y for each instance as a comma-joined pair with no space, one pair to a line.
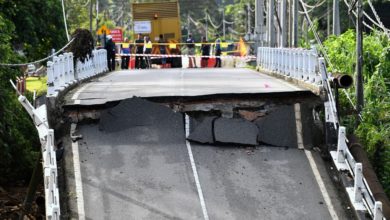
159,17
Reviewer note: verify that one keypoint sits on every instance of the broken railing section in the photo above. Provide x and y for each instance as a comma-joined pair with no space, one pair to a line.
297,63
360,194
63,72
48,149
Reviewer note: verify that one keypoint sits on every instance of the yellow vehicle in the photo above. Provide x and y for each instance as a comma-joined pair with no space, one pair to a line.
159,17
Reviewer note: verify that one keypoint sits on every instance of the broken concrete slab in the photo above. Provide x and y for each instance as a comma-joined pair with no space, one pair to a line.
236,130
278,128
251,115
135,112
203,131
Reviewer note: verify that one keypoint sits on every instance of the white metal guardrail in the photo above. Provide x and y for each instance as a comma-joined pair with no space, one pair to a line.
360,194
306,65
48,149
63,72
297,63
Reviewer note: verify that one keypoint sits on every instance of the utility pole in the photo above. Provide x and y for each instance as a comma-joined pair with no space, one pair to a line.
249,19
328,18
295,23
336,18
259,22
97,16
223,24
283,40
359,60
271,28
290,23
207,26
188,25
90,15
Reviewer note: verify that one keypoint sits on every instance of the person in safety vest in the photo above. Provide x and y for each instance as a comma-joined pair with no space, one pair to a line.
205,52
218,51
191,51
125,54
139,46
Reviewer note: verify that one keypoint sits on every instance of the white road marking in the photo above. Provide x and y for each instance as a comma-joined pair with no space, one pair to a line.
77,94
321,185
298,124
193,165
78,182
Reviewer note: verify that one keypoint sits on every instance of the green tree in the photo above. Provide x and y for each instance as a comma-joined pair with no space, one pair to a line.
28,30
374,129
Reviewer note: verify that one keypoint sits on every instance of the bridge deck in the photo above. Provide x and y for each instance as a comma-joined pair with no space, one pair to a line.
120,85
138,166
145,172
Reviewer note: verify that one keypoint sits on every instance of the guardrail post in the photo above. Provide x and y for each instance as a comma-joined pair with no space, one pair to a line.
61,70
50,78
290,62
341,145
66,69
56,73
306,66
358,185
71,67
378,212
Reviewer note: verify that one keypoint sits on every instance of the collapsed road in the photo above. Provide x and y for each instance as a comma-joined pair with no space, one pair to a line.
228,152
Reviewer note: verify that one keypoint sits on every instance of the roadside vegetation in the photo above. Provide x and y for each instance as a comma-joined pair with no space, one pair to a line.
374,127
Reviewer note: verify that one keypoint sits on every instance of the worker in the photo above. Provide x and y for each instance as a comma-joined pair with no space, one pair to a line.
205,52
139,46
147,50
110,48
191,51
163,50
125,54
217,51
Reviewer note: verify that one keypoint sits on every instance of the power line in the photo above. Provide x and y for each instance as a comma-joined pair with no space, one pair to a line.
211,22
66,26
378,19
37,61
324,51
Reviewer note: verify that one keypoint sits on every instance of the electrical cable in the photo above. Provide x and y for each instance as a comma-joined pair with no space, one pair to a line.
66,26
378,19
314,6
324,51
211,22
37,61
354,13
236,32
228,22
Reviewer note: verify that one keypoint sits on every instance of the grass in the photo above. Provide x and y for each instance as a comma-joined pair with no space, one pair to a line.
37,84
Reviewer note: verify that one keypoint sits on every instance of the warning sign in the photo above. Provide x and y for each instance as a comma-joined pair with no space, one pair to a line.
117,35
103,30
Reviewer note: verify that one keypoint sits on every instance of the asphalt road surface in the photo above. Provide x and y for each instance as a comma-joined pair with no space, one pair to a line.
141,167
123,84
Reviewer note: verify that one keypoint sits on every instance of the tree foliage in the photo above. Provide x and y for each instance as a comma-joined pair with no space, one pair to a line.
28,30
82,45
374,129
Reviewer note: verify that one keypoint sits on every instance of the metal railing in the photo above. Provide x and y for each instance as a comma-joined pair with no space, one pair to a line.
62,71
360,194
297,63
48,150
306,65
